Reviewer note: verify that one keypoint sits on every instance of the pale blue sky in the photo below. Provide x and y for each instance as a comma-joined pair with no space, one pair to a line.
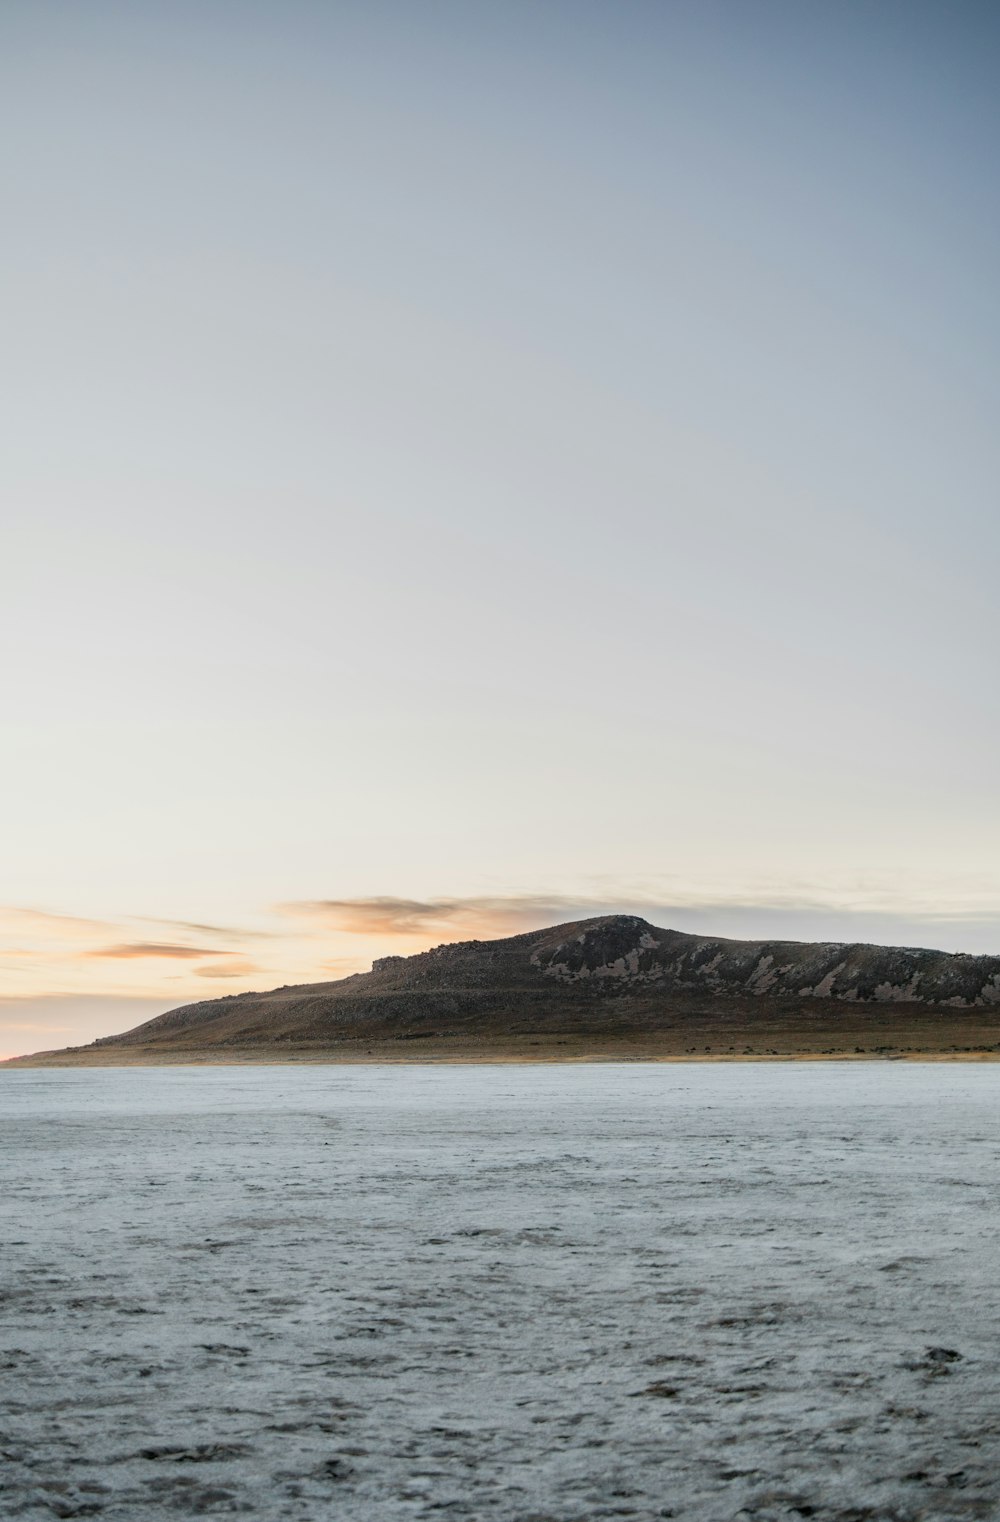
463,450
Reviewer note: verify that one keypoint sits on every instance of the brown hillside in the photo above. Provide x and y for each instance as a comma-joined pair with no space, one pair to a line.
613,986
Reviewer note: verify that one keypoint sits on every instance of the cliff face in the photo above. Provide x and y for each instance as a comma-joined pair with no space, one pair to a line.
595,978
630,951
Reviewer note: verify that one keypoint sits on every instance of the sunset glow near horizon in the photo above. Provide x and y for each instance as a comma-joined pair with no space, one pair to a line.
474,467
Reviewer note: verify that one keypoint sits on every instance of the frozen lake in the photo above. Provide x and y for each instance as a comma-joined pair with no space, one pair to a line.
529,1294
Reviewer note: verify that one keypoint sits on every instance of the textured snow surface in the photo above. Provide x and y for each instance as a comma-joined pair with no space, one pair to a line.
536,1294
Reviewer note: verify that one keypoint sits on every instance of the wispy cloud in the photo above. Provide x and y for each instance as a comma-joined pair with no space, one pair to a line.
788,915
128,950
195,927
45,922
388,916
234,969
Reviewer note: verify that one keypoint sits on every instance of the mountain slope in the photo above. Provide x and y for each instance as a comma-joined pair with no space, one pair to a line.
616,982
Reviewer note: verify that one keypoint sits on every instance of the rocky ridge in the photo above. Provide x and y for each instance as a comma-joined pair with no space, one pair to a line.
631,951
611,984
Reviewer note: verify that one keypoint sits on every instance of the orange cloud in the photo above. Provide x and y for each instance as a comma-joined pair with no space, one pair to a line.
234,932
130,949
61,925
422,917
226,970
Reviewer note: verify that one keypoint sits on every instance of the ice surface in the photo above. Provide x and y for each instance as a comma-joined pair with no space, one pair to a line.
536,1294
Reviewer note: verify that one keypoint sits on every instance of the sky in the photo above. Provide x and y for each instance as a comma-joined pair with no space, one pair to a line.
469,466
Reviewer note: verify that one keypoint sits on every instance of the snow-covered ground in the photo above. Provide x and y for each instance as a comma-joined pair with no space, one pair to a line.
533,1294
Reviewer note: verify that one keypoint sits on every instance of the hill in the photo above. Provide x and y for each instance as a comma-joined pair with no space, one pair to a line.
615,986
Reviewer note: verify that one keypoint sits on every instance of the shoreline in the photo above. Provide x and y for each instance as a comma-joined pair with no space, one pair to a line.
490,1059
